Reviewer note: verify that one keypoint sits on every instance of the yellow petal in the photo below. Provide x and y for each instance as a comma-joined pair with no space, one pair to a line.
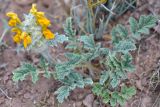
48,34
11,15
40,14
44,22
17,30
27,40
16,38
25,43
33,9
12,22
23,35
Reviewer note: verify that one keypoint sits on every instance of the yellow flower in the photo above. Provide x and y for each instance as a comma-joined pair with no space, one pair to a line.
44,22
27,40
40,14
17,30
12,22
35,12
14,19
12,15
41,19
33,9
48,34
17,38
21,36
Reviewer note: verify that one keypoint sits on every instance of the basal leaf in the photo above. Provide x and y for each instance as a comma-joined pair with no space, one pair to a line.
71,46
106,96
121,100
104,77
62,93
121,74
113,102
73,56
115,95
127,92
124,46
127,62
133,25
123,32
97,89
88,41
88,81
24,70
142,26
114,82
119,33
68,28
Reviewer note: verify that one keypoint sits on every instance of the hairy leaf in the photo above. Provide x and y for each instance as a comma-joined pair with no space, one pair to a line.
71,46
106,96
88,81
97,89
128,92
62,93
104,77
68,28
133,25
88,41
119,33
24,70
142,26
124,46
114,82
58,39
113,102
127,62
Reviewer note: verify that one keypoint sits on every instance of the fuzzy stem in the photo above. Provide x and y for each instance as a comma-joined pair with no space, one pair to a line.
45,53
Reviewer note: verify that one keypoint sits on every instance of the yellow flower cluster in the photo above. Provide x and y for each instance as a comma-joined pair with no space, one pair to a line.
19,36
24,37
43,22
14,20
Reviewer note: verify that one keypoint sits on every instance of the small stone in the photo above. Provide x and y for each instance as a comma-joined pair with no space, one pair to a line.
2,99
51,100
95,104
27,95
88,101
78,104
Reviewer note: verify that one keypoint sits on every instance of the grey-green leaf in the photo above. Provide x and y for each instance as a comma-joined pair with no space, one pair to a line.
88,41
114,82
142,26
68,28
62,93
124,46
24,70
88,81
104,77
133,25
113,102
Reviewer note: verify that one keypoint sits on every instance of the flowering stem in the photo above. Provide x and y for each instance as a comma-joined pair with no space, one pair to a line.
45,53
